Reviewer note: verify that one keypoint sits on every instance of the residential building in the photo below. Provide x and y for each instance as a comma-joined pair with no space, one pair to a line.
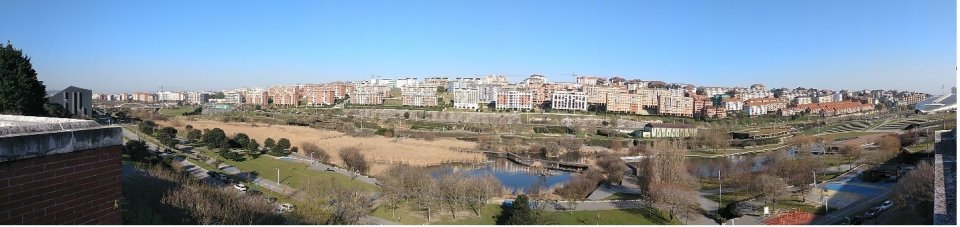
234,96
382,90
732,104
569,100
169,96
319,94
699,103
76,101
197,98
758,87
675,105
623,103
598,94
711,112
257,97
590,80
824,99
488,92
285,95
514,100
711,92
366,98
466,98
662,130
761,106
802,100
436,82
145,97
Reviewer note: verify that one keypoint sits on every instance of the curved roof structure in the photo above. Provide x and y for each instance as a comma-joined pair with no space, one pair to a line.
938,103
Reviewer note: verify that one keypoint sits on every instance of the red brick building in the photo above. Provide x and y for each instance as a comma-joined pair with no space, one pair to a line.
59,171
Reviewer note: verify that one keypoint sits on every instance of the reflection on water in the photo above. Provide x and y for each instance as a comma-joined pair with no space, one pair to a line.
513,176
736,164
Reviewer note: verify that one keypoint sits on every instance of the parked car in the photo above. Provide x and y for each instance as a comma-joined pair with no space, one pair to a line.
240,187
329,170
885,205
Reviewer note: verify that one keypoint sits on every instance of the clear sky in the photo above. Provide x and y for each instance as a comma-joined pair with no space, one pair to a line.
114,46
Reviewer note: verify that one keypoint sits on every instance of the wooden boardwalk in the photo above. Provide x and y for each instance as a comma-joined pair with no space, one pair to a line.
549,164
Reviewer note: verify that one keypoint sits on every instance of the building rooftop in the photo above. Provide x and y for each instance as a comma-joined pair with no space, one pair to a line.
25,137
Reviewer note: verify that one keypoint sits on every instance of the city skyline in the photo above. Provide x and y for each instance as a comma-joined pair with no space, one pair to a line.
214,46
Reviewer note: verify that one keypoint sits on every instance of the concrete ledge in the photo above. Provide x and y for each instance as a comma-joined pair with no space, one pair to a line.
24,137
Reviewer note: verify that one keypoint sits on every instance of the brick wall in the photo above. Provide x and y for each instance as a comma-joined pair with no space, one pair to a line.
80,187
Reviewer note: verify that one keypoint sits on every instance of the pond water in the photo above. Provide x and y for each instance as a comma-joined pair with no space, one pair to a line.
513,176
735,164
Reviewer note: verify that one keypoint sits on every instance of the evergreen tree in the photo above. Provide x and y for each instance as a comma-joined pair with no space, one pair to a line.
20,91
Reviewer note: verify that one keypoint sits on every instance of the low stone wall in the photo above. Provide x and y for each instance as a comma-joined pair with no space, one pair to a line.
22,138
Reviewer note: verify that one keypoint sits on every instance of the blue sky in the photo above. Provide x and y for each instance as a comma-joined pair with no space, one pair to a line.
114,46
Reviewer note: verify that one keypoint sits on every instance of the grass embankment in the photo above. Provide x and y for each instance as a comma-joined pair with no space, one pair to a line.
295,175
489,213
847,135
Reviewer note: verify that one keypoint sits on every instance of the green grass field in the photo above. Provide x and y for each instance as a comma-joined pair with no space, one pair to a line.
295,175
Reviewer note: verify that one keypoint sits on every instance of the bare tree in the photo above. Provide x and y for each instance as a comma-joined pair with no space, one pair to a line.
915,191
571,144
315,152
613,167
354,160
769,189
452,190
578,188
480,190
889,149
666,183
677,199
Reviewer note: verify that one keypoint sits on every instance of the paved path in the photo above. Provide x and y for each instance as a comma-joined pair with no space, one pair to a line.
318,166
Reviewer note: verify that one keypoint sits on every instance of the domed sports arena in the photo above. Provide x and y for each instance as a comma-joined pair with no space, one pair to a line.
940,103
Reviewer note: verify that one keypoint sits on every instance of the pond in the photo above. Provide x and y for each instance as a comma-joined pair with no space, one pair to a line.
513,176
735,164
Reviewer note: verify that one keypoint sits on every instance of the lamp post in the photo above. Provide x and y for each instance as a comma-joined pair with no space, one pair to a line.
278,176
720,202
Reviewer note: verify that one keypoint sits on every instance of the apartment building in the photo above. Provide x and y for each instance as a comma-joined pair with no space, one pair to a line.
366,98
233,96
675,105
598,94
755,94
488,92
699,103
463,82
285,95
495,80
828,109
569,100
169,96
319,94
758,87
436,82
197,98
382,90
624,103
466,98
144,97
514,100
419,99
257,97
802,100
711,112
713,91
824,99
761,106
732,104
591,80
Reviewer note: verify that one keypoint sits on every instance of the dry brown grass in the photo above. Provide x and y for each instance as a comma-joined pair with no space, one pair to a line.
379,150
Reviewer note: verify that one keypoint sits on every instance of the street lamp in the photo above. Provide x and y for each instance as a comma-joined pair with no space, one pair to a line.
278,176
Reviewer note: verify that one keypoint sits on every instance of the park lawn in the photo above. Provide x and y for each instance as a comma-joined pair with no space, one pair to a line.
729,198
613,217
622,196
296,175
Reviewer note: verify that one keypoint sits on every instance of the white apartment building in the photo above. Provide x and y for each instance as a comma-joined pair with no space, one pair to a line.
466,98
569,100
753,94
713,91
169,96
514,99
802,100
419,99
590,80
732,104
233,96
458,83
366,98
824,99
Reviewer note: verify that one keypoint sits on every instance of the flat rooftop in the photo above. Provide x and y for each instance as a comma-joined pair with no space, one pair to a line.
24,137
